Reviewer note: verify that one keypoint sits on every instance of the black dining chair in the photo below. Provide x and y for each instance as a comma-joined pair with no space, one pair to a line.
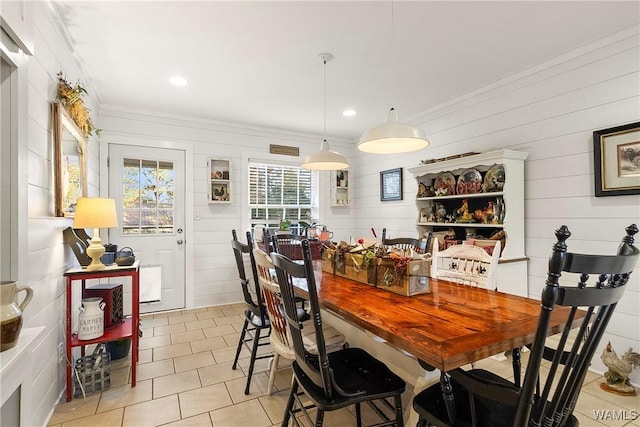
331,380
256,327
405,243
481,398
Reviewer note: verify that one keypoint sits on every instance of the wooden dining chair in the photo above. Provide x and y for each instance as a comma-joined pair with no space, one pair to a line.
406,243
288,245
279,337
256,328
331,380
482,398
466,264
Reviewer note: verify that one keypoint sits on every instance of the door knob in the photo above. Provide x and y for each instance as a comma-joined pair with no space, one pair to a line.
180,241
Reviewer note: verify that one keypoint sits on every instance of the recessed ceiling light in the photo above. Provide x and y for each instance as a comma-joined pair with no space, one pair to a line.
178,81
349,113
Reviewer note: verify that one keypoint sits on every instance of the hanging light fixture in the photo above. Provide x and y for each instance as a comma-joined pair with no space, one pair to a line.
392,136
325,159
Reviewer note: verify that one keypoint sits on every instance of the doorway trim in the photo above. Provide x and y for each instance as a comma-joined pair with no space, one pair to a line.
107,139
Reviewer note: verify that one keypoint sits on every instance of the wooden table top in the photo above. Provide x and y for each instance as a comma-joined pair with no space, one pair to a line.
450,327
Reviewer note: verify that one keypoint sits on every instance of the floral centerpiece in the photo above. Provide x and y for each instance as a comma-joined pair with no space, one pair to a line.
70,96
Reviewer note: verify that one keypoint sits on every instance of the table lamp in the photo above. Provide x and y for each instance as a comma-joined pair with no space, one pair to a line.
96,213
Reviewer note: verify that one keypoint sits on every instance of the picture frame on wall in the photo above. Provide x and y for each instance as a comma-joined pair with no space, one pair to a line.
616,154
391,185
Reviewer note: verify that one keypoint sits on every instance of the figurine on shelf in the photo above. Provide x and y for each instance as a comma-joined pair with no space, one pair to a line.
463,211
441,213
486,215
424,215
432,214
425,191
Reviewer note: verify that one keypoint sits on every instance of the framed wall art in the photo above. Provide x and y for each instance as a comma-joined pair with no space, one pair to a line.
616,154
69,162
391,185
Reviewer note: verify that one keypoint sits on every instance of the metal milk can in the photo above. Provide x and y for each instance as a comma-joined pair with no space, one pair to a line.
91,318
11,312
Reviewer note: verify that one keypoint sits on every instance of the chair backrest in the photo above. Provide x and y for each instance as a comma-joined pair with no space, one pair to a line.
272,297
609,274
315,366
258,235
467,264
553,403
256,306
288,245
405,243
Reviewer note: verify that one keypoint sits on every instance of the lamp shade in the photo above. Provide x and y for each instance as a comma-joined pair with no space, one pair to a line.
95,212
325,159
392,137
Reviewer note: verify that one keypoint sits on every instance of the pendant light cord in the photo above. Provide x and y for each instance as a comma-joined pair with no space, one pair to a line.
393,60
325,98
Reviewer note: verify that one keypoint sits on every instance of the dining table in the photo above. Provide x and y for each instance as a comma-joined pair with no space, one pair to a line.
448,327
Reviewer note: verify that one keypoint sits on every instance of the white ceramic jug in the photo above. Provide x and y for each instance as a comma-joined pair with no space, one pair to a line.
91,319
11,313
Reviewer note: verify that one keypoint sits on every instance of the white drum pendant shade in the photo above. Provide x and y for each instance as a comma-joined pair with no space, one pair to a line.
392,137
325,159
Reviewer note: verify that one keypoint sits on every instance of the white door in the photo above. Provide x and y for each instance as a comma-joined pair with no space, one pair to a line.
148,186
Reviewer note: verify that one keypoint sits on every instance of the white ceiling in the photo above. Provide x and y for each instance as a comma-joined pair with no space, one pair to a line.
257,62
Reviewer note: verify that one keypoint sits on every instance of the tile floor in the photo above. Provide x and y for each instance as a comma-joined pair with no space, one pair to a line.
185,379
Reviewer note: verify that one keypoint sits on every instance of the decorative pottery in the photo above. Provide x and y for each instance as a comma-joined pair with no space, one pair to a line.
494,179
469,182
11,312
445,184
91,319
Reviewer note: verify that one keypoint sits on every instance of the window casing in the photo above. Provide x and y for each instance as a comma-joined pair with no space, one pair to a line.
280,192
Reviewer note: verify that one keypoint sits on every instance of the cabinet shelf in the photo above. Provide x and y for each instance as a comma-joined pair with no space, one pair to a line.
463,196
505,206
119,331
127,329
219,181
340,192
460,224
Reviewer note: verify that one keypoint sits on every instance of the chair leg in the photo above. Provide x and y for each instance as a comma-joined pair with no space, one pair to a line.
358,415
319,418
289,408
254,352
240,342
272,373
397,401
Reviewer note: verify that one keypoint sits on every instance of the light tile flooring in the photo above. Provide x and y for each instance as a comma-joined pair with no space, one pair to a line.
185,379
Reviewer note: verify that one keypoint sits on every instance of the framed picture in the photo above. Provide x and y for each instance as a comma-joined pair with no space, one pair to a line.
616,153
391,185
69,162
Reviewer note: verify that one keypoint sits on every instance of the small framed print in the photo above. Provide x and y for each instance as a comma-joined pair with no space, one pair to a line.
616,154
391,185
219,192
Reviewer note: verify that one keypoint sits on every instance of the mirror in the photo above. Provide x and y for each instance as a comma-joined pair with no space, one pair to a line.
69,162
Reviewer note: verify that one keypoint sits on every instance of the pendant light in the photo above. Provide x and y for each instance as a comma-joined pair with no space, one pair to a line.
392,136
325,159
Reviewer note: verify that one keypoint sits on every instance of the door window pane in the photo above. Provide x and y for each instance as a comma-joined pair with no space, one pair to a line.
147,197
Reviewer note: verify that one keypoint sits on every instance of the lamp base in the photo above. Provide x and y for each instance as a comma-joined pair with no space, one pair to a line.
95,251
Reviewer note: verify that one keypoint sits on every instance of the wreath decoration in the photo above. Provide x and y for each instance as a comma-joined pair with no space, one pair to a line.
70,96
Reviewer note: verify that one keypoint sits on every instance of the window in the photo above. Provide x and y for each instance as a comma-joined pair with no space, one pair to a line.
280,193
147,197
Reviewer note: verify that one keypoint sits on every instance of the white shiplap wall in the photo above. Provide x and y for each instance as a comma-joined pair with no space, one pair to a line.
43,256
212,266
549,111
